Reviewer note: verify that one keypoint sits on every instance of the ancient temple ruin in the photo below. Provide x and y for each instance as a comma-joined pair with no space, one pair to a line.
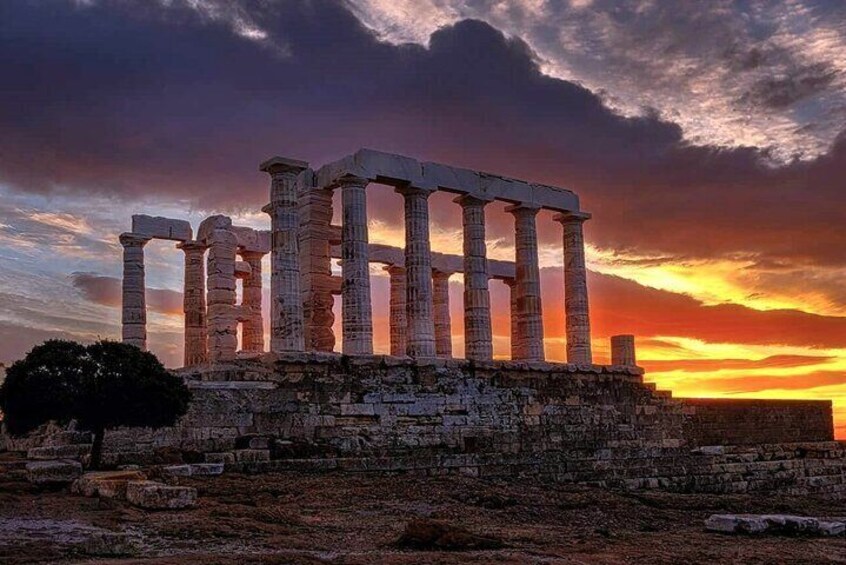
303,406
302,242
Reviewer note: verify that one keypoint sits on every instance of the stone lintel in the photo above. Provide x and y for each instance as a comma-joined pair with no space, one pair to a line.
157,227
192,245
278,164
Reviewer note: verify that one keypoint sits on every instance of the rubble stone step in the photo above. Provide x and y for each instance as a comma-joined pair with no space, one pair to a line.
72,451
106,484
193,470
251,455
157,496
53,472
778,524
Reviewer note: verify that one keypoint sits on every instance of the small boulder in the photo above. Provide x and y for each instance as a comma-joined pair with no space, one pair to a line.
53,472
106,484
426,533
157,496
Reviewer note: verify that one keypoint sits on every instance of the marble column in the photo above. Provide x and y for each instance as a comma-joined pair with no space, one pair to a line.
478,335
315,206
356,311
286,307
418,271
529,310
134,307
222,322
515,339
623,350
194,303
440,303
399,320
252,333
575,288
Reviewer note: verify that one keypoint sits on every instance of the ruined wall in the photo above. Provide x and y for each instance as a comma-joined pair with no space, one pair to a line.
598,425
728,421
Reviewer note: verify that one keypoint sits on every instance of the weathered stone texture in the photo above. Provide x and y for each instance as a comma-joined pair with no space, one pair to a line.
315,208
623,350
718,421
399,319
194,303
253,328
156,227
356,310
575,289
478,335
443,326
529,313
418,274
156,496
134,302
53,472
222,323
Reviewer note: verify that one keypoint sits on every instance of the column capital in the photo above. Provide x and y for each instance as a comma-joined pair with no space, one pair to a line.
439,274
192,245
352,180
524,209
510,282
133,239
394,269
411,190
281,165
571,217
472,200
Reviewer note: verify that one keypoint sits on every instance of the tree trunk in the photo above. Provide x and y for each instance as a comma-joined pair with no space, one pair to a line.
96,449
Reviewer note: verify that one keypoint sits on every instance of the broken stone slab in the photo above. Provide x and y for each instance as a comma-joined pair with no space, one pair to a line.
252,455
776,524
105,484
206,469
157,496
177,470
161,228
50,452
53,472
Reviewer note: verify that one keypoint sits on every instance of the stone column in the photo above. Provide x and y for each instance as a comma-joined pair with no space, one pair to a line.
315,206
399,320
623,350
194,303
134,307
478,335
575,288
418,270
286,308
440,302
515,338
252,335
222,320
529,310
356,312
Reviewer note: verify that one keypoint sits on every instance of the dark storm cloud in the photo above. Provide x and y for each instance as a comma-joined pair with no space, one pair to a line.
128,98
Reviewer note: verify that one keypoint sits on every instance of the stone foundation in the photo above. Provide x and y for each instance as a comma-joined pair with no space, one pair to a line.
588,424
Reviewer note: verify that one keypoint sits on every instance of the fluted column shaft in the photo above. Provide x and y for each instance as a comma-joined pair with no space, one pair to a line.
575,288
418,269
357,313
478,335
443,326
316,269
399,320
252,336
134,300
515,338
529,310
194,303
623,350
222,321
286,308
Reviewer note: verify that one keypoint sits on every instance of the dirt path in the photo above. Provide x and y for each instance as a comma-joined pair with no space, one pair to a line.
290,518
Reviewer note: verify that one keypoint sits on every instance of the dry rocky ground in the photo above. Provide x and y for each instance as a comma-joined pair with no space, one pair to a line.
350,519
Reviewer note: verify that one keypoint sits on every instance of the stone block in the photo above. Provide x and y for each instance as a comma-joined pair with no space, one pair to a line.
157,496
206,469
177,470
161,228
223,457
252,455
109,544
776,524
106,484
50,452
53,472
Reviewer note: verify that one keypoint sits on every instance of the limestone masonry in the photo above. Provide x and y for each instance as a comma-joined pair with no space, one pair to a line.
303,406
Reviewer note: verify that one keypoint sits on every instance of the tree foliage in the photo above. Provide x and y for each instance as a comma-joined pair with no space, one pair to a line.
102,386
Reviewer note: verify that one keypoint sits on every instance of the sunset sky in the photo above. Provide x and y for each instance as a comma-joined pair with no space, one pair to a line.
707,139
